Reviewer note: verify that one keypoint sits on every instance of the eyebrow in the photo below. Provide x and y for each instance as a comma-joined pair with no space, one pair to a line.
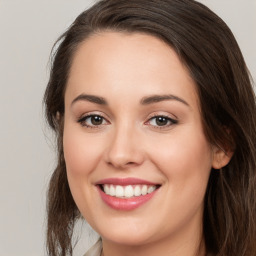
144,101
158,98
90,98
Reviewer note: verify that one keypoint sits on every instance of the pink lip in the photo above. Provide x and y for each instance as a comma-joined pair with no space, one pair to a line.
125,181
122,203
125,204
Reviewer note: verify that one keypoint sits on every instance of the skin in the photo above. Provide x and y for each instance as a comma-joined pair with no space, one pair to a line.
124,69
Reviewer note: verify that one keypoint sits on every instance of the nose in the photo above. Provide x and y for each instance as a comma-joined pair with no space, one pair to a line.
125,148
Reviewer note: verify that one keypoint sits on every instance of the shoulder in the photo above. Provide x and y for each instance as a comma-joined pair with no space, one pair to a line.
95,250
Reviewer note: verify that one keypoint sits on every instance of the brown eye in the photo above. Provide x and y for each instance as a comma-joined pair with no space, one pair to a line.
161,120
92,121
96,120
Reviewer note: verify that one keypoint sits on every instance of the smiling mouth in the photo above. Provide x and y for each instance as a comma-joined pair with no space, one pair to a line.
128,191
126,194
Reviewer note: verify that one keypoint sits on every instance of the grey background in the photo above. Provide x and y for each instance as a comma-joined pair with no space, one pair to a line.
28,29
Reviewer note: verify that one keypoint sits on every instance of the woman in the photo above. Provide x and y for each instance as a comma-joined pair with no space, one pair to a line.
154,113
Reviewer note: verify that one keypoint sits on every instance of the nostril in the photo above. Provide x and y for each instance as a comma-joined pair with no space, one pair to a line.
121,163
123,156
131,163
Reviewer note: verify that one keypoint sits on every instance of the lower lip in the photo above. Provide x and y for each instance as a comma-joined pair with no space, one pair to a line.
125,204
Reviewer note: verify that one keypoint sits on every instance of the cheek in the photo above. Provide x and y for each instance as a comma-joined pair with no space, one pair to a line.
185,158
186,164
81,152
81,158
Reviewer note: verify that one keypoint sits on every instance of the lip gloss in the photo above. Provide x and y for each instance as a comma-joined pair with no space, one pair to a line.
125,181
125,204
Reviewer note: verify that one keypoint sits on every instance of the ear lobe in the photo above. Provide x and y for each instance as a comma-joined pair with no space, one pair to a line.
221,157
58,116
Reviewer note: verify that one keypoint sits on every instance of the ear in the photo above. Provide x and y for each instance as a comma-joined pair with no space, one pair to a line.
58,115
221,157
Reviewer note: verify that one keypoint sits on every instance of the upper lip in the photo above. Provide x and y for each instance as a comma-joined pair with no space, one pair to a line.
125,181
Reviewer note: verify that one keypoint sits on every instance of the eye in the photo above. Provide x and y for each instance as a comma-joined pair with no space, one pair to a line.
92,121
161,121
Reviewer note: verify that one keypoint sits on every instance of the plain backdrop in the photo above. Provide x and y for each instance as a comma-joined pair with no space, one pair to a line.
28,29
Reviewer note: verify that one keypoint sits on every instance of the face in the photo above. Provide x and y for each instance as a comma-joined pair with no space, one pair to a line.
137,158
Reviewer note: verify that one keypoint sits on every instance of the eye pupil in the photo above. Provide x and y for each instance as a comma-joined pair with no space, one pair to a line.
96,120
161,121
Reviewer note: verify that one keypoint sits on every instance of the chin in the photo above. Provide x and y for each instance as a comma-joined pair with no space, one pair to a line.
127,239
129,234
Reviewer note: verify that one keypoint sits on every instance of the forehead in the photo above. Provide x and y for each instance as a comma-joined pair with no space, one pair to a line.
128,65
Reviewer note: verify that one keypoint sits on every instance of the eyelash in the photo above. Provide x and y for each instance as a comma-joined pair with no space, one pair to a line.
83,120
170,120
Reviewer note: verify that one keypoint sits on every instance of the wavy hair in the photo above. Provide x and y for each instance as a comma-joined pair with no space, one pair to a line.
207,47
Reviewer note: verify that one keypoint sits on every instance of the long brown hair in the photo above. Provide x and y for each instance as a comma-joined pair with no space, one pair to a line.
210,52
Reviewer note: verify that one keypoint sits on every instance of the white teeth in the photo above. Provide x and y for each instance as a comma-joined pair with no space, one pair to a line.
151,189
119,191
128,191
112,190
137,190
144,190
107,190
